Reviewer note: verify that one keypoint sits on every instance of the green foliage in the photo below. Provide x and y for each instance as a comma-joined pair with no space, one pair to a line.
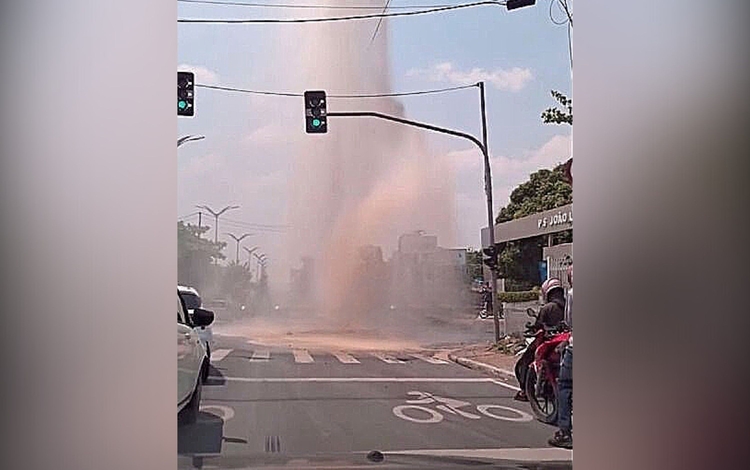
195,255
518,261
523,296
236,282
545,189
474,264
556,115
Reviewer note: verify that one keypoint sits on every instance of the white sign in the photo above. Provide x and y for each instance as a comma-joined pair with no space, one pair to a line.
557,219
416,413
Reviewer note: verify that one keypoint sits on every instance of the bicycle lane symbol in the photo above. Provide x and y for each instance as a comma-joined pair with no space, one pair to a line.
451,406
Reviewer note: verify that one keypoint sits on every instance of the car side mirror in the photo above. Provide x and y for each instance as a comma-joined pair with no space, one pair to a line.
202,317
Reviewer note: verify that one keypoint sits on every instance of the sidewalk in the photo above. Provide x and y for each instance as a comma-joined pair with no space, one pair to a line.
487,359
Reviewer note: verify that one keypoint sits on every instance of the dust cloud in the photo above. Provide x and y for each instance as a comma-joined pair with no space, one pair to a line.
352,193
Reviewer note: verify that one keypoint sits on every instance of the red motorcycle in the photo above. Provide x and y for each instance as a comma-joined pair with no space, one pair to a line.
541,378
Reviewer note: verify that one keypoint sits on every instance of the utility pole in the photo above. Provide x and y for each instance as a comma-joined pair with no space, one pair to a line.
238,240
216,217
200,219
490,213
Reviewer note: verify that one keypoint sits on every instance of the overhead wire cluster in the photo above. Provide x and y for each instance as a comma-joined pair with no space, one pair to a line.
339,96
383,14
567,21
307,6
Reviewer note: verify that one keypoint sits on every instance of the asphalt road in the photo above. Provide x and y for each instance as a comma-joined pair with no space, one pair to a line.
263,403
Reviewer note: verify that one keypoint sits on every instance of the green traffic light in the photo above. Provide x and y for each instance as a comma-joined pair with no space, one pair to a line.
316,122
182,104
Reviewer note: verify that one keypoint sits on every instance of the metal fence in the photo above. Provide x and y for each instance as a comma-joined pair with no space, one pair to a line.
558,258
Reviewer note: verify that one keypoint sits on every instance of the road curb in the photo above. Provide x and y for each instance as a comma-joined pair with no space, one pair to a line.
481,366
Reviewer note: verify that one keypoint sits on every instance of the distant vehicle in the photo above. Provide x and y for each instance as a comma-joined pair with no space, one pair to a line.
193,300
192,362
217,304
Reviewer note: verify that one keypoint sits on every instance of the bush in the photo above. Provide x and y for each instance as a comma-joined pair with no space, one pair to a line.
512,285
524,296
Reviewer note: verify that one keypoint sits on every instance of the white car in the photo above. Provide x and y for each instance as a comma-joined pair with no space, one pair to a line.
193,300
192,363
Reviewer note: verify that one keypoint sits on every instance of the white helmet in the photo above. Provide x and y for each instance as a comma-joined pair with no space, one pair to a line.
548,286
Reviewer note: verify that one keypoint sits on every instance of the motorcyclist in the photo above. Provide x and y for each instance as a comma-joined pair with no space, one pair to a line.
550,316
564,436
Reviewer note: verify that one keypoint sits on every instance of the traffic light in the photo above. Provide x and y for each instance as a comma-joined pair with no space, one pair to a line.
315,112
568,171
513,4
490,257
185,94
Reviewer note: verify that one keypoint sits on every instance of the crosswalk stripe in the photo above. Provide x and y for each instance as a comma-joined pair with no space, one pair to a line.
301,355
430,359
345,358
219,354
261,355
388,359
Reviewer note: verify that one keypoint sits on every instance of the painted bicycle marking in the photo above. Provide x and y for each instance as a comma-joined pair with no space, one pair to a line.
415,411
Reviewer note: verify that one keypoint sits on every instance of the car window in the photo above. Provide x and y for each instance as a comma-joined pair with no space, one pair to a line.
180,312
192,301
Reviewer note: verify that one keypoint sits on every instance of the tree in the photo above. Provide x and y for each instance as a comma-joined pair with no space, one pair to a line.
195,255
474,264
518,260
556,115
237,282
545,190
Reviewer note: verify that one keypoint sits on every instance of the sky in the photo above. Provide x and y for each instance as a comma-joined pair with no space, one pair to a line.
245,158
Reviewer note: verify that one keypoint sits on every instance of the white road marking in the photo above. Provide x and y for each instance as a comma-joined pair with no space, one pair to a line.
388,359
521,418
435,417
430,359
261,355
361,379
542,454
219,354
226,413
301,355
345,358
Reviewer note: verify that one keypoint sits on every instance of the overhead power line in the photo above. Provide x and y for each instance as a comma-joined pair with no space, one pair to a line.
385,8
341,18
353,96
307,6
192,214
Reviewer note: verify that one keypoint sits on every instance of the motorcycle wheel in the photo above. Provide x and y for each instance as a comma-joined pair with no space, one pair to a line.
544,404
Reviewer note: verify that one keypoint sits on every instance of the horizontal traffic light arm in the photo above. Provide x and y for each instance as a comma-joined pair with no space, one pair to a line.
422,125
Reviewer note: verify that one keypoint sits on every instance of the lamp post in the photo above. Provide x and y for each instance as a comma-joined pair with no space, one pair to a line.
216,217
189,138
238,240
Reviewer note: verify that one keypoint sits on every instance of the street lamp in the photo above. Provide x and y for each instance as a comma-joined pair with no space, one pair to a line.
250,252
189,138
216,217
238,240
261,262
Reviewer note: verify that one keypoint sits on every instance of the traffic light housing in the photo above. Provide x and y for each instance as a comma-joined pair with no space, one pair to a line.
568,171
185,94
490,257
316,121
513,4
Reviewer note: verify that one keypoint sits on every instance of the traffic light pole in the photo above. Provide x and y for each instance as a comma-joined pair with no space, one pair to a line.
487,173
490,214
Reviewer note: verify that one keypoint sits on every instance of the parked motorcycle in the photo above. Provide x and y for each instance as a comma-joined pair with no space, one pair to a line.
541,379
